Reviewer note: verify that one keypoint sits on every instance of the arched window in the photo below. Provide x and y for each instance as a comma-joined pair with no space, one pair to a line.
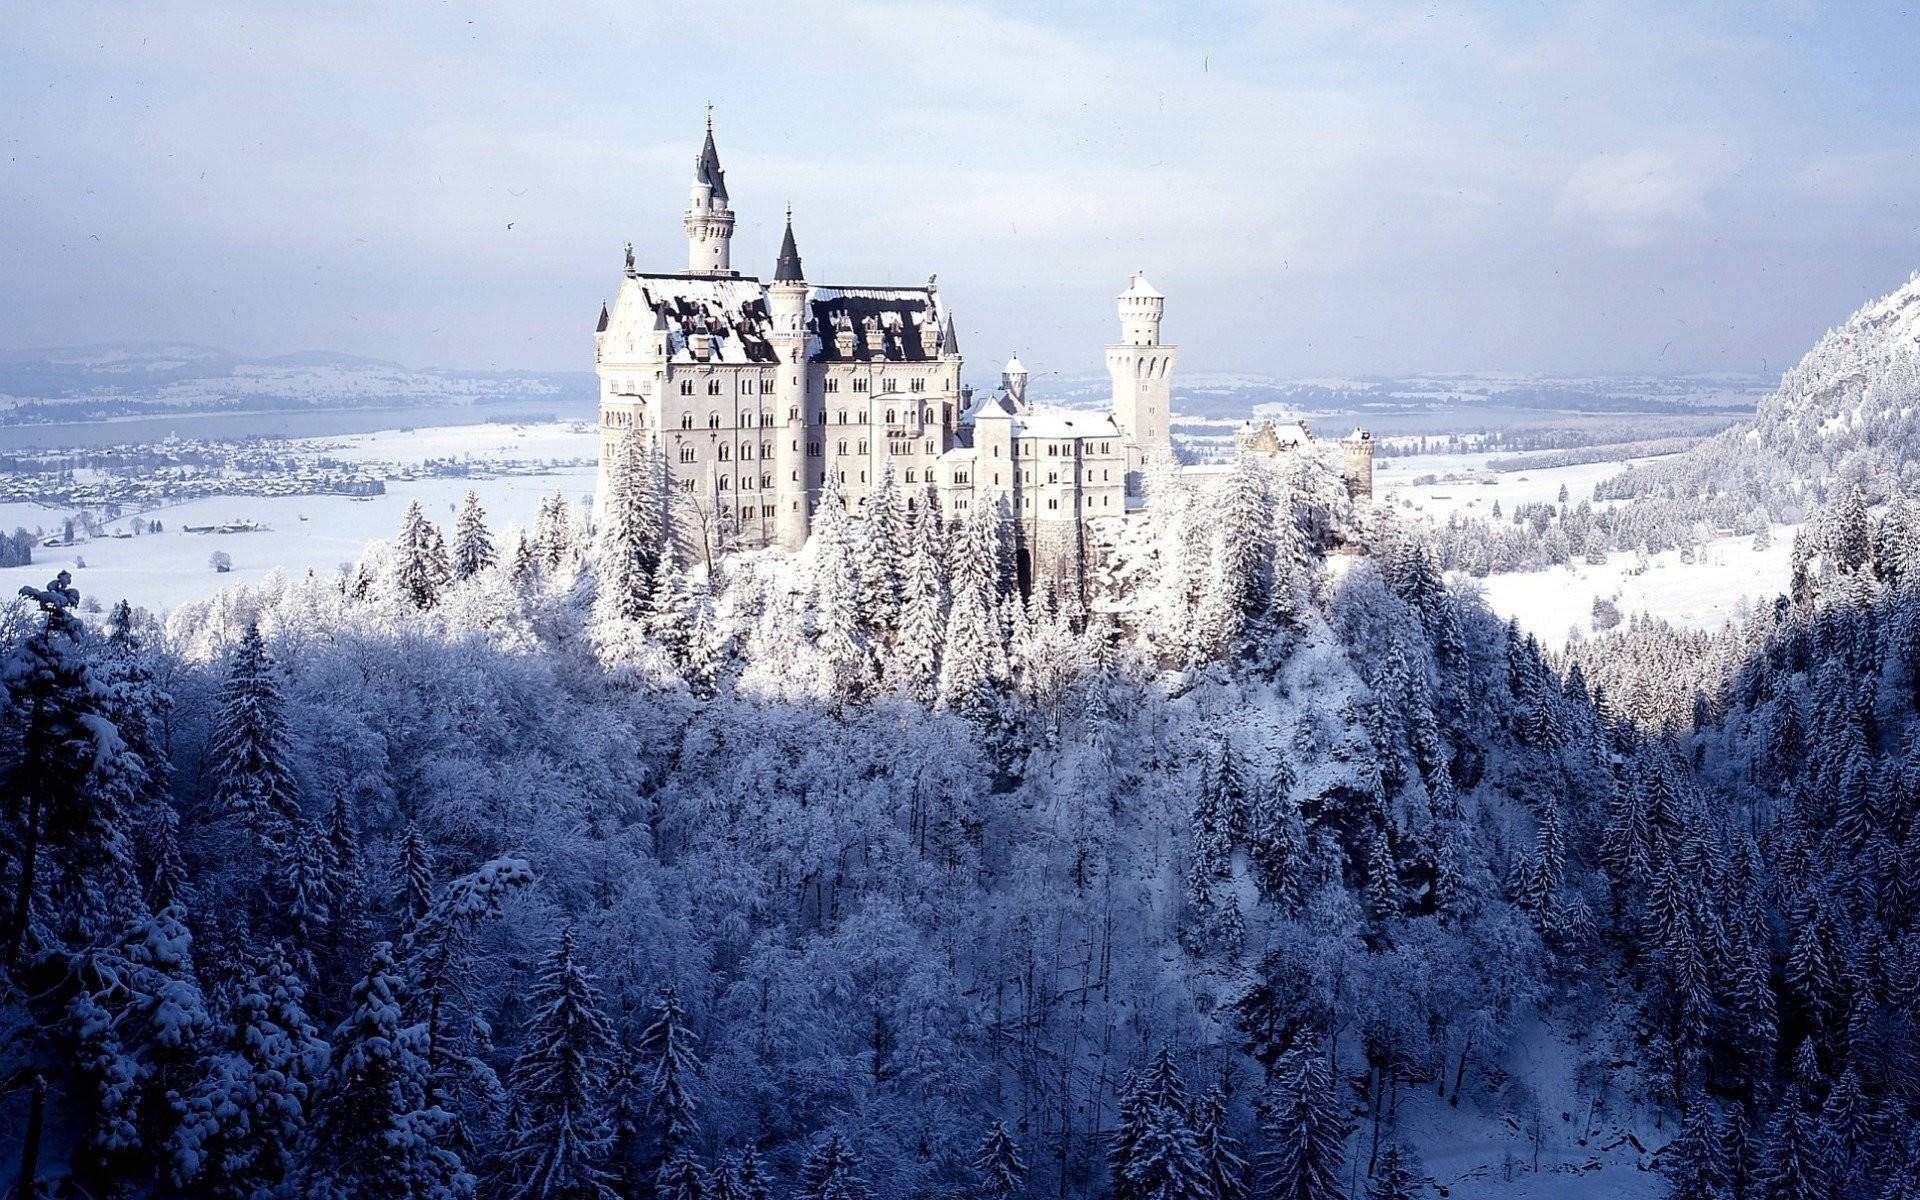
726,452
686,420
713,420
892,418
686,454
686,387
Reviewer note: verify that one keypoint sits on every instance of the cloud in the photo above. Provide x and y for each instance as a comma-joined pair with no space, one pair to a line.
1635,196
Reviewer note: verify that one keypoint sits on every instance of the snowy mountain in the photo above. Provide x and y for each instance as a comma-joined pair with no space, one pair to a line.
1847,414
90,383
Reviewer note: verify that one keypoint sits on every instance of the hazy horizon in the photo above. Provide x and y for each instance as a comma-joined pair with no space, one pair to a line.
1321,190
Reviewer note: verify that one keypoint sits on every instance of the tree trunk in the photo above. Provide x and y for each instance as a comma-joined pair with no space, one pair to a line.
30,1145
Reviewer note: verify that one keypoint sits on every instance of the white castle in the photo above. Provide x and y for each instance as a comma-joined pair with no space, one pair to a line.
756,390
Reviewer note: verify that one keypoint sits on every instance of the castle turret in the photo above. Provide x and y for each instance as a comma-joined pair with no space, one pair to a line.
709,221
1357,464
1142,372
787,309
1014,379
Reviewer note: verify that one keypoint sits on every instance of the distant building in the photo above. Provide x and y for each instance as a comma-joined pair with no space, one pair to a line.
1356,450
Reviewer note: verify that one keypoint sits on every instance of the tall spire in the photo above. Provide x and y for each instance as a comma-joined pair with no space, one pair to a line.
787,269
706,168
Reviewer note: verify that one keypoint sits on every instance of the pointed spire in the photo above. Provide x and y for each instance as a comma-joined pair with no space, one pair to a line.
706,168
787,269
949,340
602,327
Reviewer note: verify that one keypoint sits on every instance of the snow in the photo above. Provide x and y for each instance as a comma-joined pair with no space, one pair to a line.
162,571
1729,578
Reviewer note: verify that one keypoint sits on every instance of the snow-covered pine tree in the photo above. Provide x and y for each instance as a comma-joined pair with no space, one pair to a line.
998,1164
560,1138
667,1053
553,539
1303,1131
420,559
249,1109
473,550
412,875
1796,1160
839,617
632,535
682,1178
914,665
1220,1157
1240,586
1397,1176
883,547
376,1135
250,754
832,1172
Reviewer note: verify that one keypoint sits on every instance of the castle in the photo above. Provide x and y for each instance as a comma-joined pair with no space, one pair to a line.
755,390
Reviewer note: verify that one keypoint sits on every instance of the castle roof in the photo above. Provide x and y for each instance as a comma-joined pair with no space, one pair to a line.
894,324
1064,424
1014,366
706,168
602,326
1138,286
729,318
787,268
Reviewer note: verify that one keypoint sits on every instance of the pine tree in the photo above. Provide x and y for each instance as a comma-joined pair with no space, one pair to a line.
421,559
1220,1157
560,1140
883,548
1303,1130
832,1172
473,550
1156,1154
553,534
1397,1177
1002,1174
377,1137
915,664
667,1045
633,539
1797,1160
1695,1162
682,1178
413,875
251,754
249,1109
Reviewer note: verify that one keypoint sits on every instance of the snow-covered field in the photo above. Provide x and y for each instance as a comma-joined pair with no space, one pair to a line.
1474,494
1728,576
161,571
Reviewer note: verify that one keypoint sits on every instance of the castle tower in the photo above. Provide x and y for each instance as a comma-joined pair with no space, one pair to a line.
1142,372
787,307
1357,464
1014,379
709,221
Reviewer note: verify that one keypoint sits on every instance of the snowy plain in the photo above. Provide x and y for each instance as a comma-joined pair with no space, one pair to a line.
161,571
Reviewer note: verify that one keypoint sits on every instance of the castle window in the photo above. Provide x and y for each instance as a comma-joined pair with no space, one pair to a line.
813,449
686,387
726,452
916,384
793,414
843,447
863,447
686,420
1054,505
928,418
833,385
713,387
929,445
686,453
746,512
713,420
911,475
860,385
1053,477
823,417
723,483
687,485
843,416
996,452
766,449
889,384
996,479
766,481
893,418
746,451
766,385
766,511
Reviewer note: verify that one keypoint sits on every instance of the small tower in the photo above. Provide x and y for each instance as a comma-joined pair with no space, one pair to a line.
787,309
1142,372
1014,379
709,221
1357,464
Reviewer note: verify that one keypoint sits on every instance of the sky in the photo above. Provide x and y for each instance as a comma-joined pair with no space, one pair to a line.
1324,188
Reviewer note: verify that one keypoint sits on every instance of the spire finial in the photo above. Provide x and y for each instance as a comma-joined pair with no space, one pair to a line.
709,118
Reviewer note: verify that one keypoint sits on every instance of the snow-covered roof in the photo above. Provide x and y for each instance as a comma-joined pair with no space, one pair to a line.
1014,366
1064,423
995,403
902,323
895,324
730,310
1138,286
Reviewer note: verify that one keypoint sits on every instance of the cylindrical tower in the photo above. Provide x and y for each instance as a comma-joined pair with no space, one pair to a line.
787,307
709,221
